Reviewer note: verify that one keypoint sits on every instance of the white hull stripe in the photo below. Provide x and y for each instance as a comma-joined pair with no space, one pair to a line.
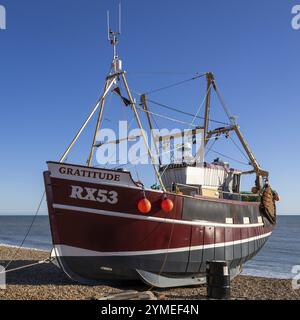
68,251
155,219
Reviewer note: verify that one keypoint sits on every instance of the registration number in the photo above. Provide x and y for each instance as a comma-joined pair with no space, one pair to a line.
92,194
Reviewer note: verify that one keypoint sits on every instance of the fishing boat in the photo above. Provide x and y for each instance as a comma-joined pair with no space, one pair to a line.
107,225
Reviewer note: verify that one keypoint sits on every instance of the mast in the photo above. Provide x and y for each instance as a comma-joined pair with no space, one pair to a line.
116,69
145,106
89,161
64,156
116,75
226,130
210,81
142,131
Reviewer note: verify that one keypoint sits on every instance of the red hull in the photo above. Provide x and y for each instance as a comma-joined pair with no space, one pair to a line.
114,235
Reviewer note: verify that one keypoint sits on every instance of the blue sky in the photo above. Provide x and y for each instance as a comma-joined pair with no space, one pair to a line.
54,57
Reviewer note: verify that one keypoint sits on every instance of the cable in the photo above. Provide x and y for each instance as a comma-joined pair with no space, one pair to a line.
183,112
154,120
192,123
223,155
48,260
176,84
164,117
202,104
145,154
160,72
223,104
207,152
115,152
238,147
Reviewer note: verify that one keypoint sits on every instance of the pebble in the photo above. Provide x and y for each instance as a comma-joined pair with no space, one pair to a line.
47,282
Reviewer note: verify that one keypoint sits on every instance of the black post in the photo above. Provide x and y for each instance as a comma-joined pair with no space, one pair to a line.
218,280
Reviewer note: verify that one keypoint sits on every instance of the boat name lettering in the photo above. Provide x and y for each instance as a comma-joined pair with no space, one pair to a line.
90,174
92,194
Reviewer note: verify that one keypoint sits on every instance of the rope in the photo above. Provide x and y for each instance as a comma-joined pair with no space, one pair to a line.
28,231
176,84
48,260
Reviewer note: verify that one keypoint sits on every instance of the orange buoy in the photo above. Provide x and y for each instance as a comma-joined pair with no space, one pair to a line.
144,206
167,205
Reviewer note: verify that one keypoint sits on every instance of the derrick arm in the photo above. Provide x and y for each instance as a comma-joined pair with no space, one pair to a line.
257,168
252,160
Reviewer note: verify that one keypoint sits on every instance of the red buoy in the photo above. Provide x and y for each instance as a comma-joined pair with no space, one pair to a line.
144,206
167,205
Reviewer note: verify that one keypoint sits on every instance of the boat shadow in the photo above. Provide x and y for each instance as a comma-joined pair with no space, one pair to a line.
50,274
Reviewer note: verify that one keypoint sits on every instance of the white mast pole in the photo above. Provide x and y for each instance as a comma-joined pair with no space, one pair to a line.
62,159
142,131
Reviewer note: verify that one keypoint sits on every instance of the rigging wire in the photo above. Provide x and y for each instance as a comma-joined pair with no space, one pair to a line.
223,104
145,154
226,109
223,155
163,116
192,123
209,149
198,76
183,112
239,148
154,120
202,104
161,72
163,153
115,152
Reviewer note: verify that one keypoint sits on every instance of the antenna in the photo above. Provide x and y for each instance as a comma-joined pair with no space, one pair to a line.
108,26
120,18
113,38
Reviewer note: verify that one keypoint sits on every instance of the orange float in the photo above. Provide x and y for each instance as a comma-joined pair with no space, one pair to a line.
144,206
167,205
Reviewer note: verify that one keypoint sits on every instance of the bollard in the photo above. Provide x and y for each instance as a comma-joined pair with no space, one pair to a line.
218,280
